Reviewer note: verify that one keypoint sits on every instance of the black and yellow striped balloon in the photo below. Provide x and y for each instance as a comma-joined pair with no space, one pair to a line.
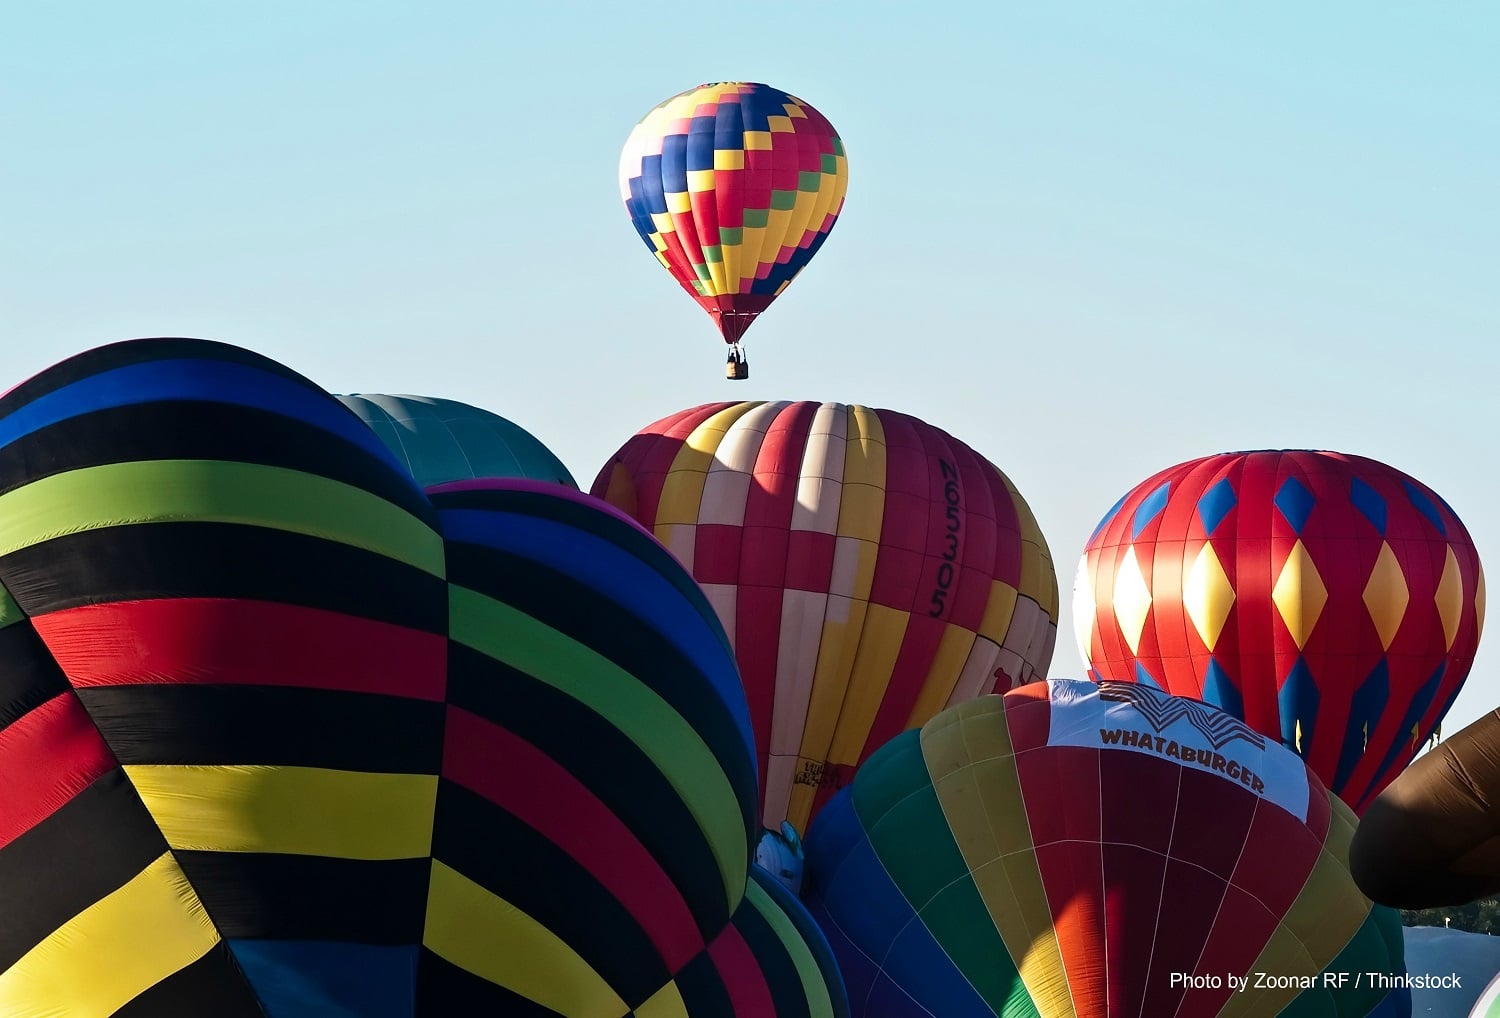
282,736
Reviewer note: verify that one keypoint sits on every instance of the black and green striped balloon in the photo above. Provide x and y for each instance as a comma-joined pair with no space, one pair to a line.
283,736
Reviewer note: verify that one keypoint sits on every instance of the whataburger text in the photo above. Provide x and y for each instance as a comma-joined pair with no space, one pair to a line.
1173,749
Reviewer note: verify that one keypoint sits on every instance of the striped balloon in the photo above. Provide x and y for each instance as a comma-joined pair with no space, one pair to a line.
870,568
776,928
588,668
441,440
283,737
1079,849
223,737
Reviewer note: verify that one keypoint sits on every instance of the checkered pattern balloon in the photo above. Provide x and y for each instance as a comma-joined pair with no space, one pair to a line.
1328,600
733,186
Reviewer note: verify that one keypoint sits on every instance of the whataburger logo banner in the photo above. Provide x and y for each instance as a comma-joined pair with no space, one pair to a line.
1138,719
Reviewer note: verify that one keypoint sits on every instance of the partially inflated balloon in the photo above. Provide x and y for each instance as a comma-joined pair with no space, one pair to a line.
1328,600
733,186
441,440
1079,849
282,737
1432,837
870,568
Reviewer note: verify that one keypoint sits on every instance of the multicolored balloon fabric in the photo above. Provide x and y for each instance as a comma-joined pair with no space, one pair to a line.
794,954
733,186
284,737
1432,838
441,440
1079,849
870,570
1328,600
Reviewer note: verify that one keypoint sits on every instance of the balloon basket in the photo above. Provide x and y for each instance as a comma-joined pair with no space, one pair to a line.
738,366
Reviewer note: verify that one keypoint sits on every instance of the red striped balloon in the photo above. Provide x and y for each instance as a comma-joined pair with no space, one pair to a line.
870,569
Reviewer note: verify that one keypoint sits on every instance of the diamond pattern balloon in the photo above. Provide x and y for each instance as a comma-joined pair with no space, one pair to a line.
1330,600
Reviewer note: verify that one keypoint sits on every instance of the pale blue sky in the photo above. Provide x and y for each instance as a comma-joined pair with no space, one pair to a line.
1090,240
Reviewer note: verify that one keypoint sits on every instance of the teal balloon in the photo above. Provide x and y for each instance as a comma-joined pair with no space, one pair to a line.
442,440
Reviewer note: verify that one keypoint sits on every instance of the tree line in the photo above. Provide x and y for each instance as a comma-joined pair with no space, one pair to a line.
1482,916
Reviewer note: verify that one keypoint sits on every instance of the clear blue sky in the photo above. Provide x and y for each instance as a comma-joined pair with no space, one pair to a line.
1090,240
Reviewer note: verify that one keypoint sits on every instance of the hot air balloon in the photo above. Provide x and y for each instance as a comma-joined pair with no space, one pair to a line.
1432,837
870,569
282,736
733,186
1070,848
802,967
1328,600
616,741
441,440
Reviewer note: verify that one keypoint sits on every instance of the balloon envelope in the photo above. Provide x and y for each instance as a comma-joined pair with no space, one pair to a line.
284,736
1072,848
1432,837
870,569
441,440
733,186
800,968
1329,600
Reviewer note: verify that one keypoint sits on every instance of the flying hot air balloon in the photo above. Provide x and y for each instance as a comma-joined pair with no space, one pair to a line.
1071,848
1328,600
733,186
870,568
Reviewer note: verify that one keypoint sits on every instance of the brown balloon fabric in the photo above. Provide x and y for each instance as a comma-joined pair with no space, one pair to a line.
1433,836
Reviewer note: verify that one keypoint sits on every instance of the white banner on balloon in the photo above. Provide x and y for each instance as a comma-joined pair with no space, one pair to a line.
1139,719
